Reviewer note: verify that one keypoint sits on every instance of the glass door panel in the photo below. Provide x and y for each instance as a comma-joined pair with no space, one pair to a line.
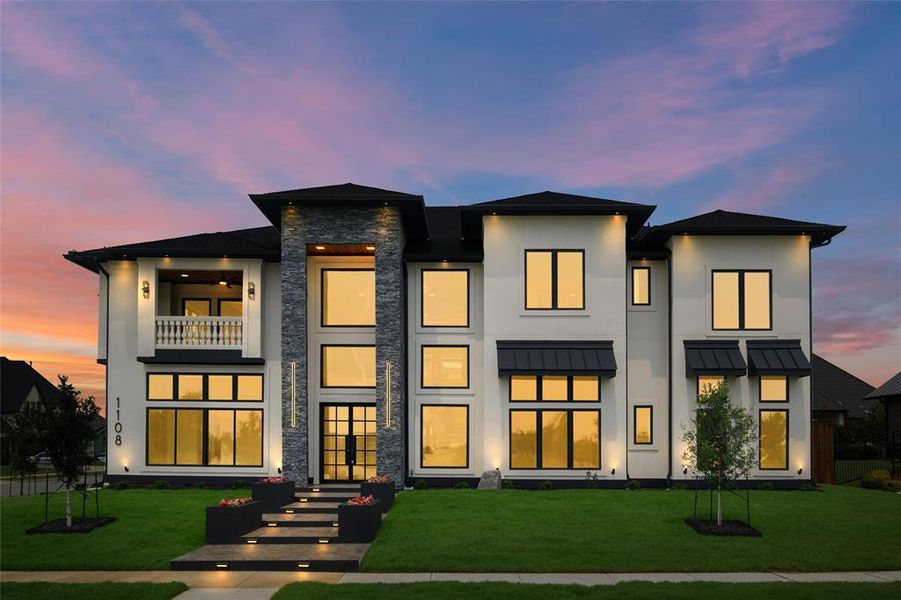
348,442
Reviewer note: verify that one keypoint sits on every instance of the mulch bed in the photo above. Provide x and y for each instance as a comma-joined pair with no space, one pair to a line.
78,525
709,527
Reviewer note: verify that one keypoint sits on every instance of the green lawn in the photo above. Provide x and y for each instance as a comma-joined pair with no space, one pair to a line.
839,529
622,591
153,527
91,591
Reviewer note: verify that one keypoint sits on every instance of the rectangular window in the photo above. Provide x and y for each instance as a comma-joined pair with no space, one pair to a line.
160,436
445,436
641,286
445,366
555,439
773,439
160,386
221,437
707,383
348,366
555,279
248,437
195,307
250,388
742,300
199,386
220,388
644,425
773,388
445,298
176,437
348,297
230,308
555,388
189,437
190,387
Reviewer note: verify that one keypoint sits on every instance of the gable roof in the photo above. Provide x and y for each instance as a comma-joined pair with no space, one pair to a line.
834,389
892,387
724,222
412,206
17,379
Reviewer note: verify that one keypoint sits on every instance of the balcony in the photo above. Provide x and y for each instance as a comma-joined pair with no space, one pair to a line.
200,333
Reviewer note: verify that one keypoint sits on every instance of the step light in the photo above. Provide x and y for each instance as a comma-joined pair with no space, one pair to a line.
334,523
289,511
251,541
315,489
303,565
221,565
304,500
323,541
271,524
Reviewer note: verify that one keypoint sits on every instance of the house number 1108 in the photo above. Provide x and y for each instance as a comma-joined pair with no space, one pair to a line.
118,426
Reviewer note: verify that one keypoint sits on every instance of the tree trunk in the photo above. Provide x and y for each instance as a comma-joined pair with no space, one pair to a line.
719,507
68,506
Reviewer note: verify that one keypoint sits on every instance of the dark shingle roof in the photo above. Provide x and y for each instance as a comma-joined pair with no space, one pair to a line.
549,198
724,222
892,387
17,379
834,389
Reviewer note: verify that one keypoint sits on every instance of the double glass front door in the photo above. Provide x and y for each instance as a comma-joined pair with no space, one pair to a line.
348,442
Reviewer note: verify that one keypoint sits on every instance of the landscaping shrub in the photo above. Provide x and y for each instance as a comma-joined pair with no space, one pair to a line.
239,484
876,479
892,486
161,484
461,485
507,484
591,480
633,485
420,485
546,485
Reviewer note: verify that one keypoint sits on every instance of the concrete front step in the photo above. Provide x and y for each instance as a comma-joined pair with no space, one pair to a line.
352,488
314,519
272,557
311,496
313,506
292,535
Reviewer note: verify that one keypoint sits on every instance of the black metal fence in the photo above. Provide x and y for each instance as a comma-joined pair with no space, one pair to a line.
881,452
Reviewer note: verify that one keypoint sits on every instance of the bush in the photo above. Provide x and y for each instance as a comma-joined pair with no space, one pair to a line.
161,484
507,484
461,485
892,486
420,485
875,480
766,486
238,484
546,485
591,480
633,485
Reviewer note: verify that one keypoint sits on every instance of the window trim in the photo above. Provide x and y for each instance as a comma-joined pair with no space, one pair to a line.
539,392
205,386
760,441
422,437
632,299
205,437
422,273
741,299
539,441
322,385
635,441
760,391
422,384
322,272
554,252
209,305
219,302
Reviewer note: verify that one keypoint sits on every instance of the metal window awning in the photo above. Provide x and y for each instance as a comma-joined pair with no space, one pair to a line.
777,357
518,357
713,357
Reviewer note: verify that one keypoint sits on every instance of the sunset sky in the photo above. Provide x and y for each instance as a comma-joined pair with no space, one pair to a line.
125,122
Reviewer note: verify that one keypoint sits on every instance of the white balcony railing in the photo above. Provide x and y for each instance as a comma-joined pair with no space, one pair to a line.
217,333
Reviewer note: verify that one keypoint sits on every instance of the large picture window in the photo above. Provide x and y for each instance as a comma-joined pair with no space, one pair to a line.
641,286
445,436
348,297
555,279
555,388
773,439
773,388
348,366
215,387
445,298
204,437
742,300
555,439
445,366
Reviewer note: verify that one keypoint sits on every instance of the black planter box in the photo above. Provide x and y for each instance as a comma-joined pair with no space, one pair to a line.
381,491
226,524
359,523
273,496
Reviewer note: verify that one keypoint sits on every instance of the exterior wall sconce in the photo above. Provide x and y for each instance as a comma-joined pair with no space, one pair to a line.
685,471
125,467
613,471
145,289
251,290
800,470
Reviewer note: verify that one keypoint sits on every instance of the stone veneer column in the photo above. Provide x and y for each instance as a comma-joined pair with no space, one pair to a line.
341,225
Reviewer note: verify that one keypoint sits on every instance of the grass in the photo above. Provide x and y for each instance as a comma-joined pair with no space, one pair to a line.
839,529
153,527
91,591
622,591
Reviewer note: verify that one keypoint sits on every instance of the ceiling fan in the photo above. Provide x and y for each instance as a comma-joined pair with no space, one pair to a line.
224,280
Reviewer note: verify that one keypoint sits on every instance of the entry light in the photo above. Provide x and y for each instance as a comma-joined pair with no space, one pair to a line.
145,288
251,290
320,247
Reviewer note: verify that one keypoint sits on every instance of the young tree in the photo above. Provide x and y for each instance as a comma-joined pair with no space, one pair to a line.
67,432
721,444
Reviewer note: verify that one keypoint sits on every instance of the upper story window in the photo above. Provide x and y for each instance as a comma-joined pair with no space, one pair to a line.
555,279
230,308
195,307
211,386
348,297
708,383
445,366
641,286
555,388
742,300
348,366
773,388
445,298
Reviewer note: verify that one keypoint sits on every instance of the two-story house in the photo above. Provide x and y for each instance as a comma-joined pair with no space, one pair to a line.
548,336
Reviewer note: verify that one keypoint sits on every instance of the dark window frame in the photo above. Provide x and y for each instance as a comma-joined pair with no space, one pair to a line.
554,252
539,441
322,385
205,437
422,384
539,391
350,405
219,302
422,438
760,441
209,305
635,441
205,386
322,272
741,299
760,391
632,299
422,324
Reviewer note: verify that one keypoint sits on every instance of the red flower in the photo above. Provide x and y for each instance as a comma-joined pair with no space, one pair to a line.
379,479
361,501
273,480
234,502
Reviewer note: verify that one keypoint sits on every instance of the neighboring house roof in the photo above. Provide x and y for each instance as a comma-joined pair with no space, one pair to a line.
892,387
724,222
98,424
17,379
835,390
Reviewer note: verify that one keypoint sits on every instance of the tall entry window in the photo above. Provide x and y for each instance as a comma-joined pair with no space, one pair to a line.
742,300
773,439
348,297
348,442
445,298
555,439
555,279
